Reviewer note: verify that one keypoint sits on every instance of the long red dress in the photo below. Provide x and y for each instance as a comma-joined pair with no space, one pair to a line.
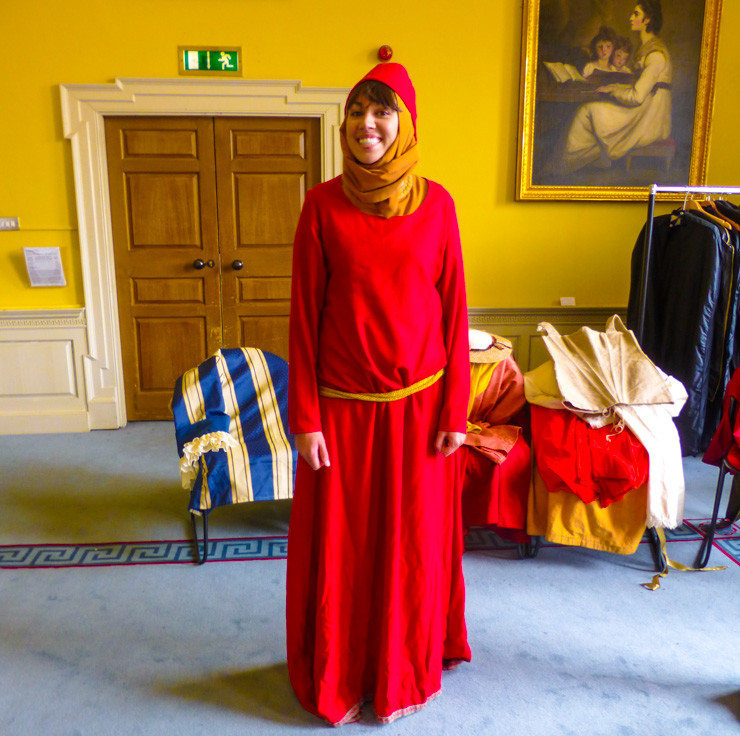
375,594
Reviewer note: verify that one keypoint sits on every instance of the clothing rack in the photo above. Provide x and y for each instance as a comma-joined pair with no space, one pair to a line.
644,278
646,259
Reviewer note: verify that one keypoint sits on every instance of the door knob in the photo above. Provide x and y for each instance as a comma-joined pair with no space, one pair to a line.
237,265
199,263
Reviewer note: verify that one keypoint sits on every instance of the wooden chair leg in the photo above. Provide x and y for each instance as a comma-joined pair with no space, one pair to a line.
200,558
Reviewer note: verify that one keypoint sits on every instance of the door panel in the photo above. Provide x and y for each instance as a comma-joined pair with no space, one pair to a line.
221,191
163,211
159,366
264,168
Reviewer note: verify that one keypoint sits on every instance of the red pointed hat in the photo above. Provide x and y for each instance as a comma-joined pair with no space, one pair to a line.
397,78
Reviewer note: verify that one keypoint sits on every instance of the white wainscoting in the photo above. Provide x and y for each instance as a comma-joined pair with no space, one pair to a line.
520,326
42,384
44,387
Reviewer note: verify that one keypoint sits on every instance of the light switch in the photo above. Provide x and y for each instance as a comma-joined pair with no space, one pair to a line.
9,223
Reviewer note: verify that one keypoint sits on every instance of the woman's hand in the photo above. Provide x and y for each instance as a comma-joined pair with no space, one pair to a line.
447,442
311,447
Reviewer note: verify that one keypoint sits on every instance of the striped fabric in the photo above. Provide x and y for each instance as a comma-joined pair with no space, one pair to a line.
231,418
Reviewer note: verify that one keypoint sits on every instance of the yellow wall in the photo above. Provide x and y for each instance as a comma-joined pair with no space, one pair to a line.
464,60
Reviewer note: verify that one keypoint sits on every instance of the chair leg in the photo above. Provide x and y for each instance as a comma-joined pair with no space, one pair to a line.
200,559
705,549
658,557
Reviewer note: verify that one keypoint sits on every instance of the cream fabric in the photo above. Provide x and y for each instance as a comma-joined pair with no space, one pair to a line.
604,377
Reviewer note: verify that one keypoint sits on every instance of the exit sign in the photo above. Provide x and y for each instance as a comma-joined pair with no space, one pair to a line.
210,61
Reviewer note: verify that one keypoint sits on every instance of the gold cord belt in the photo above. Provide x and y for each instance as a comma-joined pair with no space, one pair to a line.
400,393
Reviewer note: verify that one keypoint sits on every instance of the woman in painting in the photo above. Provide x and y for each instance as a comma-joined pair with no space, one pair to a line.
637,114
379,385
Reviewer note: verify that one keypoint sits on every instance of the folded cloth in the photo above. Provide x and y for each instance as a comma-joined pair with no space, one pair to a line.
604,378
596,463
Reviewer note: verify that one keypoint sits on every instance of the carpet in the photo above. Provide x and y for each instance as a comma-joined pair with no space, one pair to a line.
248,549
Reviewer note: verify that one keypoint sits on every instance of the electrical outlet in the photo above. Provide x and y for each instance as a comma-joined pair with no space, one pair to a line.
9,223
567,301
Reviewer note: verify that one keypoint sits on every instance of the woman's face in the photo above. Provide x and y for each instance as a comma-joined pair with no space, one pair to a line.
371,129
604,50
638,20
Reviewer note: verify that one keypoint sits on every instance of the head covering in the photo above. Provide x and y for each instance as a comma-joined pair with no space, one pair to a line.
488,348
388,187
397,78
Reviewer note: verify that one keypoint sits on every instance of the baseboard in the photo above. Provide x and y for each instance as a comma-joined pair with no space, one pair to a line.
520,326
42,386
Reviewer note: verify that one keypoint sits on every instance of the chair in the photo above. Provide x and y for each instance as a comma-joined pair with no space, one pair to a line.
231,423
727,464
664,150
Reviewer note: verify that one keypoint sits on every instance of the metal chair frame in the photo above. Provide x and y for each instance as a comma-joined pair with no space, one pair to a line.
725,467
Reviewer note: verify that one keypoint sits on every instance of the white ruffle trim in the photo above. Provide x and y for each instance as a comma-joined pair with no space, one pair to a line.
192,452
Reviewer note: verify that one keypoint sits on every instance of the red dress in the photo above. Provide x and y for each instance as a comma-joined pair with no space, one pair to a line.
375,595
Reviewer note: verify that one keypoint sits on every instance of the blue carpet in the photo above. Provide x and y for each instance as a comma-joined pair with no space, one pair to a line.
247,549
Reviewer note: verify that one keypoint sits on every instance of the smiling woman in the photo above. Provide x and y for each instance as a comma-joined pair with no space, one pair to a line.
372,121
379,383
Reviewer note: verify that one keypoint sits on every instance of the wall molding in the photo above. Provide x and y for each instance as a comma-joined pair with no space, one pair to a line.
520,326
34,318
84,107
42,386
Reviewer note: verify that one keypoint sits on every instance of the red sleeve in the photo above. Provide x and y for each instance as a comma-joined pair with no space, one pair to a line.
451,287
306,301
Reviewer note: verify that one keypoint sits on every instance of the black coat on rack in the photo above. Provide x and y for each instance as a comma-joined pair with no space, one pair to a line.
689,324
683,306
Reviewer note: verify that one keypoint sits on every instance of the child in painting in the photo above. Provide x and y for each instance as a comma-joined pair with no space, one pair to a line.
621,55
601,47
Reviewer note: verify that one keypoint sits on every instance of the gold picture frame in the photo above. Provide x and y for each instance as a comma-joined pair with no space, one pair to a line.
559,128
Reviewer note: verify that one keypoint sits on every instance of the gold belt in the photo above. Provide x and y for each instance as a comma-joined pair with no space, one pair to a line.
400,393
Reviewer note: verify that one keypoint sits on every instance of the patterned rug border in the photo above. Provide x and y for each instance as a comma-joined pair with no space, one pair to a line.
150,552
251,549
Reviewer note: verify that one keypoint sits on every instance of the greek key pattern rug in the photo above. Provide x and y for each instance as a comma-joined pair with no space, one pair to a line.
248,549
242,549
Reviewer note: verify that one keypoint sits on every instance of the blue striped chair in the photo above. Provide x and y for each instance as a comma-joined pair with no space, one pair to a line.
231,427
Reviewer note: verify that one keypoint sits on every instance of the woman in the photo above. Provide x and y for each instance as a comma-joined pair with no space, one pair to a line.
379,382
639,114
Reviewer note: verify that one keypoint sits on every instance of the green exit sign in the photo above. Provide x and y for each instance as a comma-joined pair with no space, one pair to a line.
210,61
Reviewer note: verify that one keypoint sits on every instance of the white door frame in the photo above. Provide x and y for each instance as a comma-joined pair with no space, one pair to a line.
83,108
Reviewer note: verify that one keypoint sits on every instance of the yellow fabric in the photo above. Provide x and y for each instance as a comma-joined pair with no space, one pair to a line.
400,393
564,519
480,377
655,583
386,188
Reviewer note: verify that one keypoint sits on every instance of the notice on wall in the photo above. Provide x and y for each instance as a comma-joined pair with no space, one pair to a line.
44,266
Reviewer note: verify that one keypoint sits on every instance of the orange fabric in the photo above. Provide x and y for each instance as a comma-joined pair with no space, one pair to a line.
496,395
563,518
495,458
387,188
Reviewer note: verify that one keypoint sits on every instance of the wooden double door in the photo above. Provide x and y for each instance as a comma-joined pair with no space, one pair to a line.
203,211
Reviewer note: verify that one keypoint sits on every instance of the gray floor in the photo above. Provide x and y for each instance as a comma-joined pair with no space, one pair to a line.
567,643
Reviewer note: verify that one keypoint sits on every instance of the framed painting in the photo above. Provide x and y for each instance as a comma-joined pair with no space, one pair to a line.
616,95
